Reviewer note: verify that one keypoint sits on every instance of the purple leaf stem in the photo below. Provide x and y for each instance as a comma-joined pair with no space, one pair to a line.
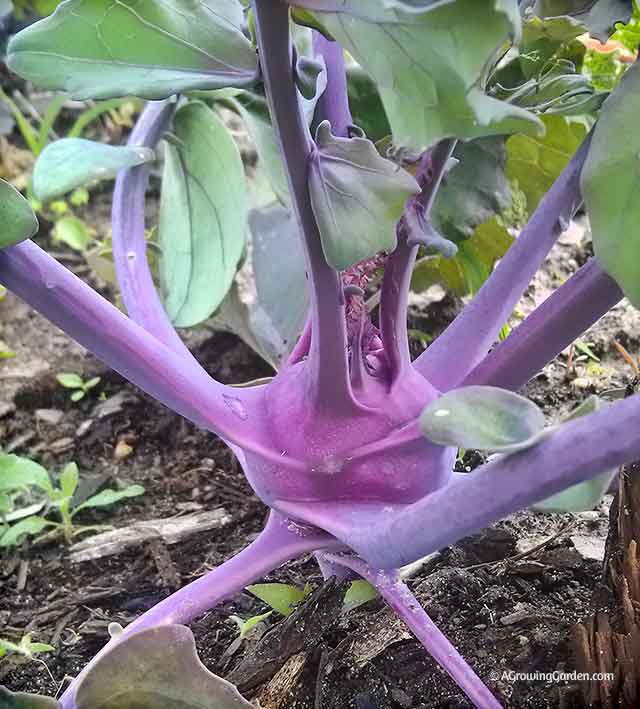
333,105
396,282
468,339
129,244
280,541
328,354
554,325
400,599
577,451
181,384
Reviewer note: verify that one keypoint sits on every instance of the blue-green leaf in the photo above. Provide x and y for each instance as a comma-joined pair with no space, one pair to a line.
483,418
598,17
21,700
611,185
157,668
428,64
156,48
203,215
357,197
72,162
586,495
17,220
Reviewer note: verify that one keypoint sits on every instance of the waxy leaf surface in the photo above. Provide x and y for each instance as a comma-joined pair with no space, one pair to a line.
17,220
156,669
101,48
20,700
611,186
483,418
357,197
598,17
72,162
203,215
429,63
586,495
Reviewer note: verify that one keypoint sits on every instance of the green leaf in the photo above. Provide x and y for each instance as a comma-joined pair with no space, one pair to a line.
357,197
73,232
69,479
475,190
72,162
255,113
583,496
483,418
103,49
70,381
598,17
246,625
359,593
428,65
78,395
92,383
611,186
110,497
465,273
157,668
203,215
366,105
16,216
18,473
282,597
21,700
29,527
535,163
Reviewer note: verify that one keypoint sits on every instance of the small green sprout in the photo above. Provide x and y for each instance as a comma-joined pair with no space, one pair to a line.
24,651
21,476
78,386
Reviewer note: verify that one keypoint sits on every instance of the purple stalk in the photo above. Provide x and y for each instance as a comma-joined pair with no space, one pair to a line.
398,269
468,339
129,244
180,384
333,105
407,607
329,372
554,325
280,541
576,452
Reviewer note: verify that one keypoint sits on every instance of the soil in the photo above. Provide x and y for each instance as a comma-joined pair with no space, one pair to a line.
507,597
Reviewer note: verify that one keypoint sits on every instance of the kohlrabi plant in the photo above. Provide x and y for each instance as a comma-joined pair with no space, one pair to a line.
351,445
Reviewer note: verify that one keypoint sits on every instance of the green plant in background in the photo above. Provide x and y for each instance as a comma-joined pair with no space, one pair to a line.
78,386
24,479
24,651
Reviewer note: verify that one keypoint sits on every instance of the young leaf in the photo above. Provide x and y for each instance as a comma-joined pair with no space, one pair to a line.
483,418
586,495
428,63
598,17
110,497
282,597
155,669
29,526
92,383
78,395
16,216
203,214
70,381
72,162
104,49
69,480
246,625
73,232
359,593
18,473
357,197
21,700
611,185
536,162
